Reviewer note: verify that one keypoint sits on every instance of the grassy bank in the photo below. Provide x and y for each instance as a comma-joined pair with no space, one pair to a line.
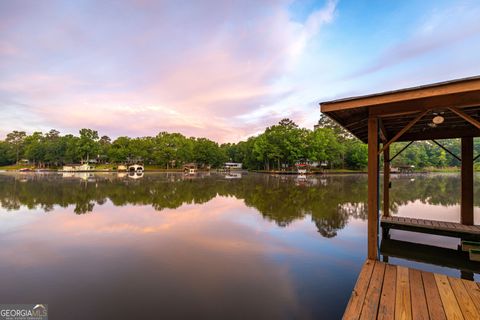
446,169
16,167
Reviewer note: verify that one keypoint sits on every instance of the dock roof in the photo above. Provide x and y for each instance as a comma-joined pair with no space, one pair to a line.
457,101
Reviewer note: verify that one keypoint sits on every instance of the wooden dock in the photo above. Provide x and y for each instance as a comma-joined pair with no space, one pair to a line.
449,229
386,291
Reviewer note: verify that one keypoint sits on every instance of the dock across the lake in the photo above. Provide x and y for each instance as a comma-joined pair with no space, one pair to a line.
386,291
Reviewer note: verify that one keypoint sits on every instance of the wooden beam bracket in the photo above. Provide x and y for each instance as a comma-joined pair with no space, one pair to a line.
449,152
465,116
405,129
383,131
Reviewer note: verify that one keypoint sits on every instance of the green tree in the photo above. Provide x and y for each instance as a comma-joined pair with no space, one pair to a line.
356,156
4,154
325,147
88,143
16,140
208,153
120,150
104,147
35,148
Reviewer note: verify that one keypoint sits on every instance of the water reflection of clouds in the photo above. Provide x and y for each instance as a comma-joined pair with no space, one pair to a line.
241,239
125,244
420,210
207,225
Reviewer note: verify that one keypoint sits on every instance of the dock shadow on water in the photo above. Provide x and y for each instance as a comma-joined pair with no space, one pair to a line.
215,246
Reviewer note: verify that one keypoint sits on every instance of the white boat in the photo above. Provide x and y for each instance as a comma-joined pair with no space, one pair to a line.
136,168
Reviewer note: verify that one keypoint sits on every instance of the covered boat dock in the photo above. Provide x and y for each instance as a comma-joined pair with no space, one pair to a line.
436,111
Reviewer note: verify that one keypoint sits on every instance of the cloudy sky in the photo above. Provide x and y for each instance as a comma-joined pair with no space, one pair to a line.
219,69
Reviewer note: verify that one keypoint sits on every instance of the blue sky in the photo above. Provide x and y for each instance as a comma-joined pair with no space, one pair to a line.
220,69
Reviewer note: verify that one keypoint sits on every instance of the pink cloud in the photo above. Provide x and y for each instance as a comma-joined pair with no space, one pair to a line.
194,70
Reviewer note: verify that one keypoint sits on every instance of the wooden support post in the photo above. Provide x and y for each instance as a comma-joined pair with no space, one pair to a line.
386,182
372,188
467,181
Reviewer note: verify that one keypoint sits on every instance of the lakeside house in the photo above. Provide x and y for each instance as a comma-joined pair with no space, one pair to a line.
190,168
233,165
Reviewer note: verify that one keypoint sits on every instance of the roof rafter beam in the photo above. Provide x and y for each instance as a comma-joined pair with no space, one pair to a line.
465,116
442,133
405,129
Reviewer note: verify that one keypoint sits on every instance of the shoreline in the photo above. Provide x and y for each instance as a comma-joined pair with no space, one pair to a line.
273,172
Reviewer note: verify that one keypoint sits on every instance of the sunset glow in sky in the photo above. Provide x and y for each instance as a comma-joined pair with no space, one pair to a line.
219,69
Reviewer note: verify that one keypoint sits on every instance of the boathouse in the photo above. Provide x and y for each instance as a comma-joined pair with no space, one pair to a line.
436,111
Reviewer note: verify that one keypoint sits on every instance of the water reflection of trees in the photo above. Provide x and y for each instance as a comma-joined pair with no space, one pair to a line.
330,200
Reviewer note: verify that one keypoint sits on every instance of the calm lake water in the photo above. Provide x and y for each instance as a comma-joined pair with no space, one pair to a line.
242,246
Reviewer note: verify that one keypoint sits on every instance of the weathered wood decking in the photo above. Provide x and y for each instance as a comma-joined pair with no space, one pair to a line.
385,291
450,229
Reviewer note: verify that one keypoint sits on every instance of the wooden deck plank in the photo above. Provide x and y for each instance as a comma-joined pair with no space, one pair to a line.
466,304
419,302
354,307
449,301
434,302
371,302
403,306
474,292
385,291
386,310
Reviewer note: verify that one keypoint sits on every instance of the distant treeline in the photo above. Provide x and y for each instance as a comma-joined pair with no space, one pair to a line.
280,146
